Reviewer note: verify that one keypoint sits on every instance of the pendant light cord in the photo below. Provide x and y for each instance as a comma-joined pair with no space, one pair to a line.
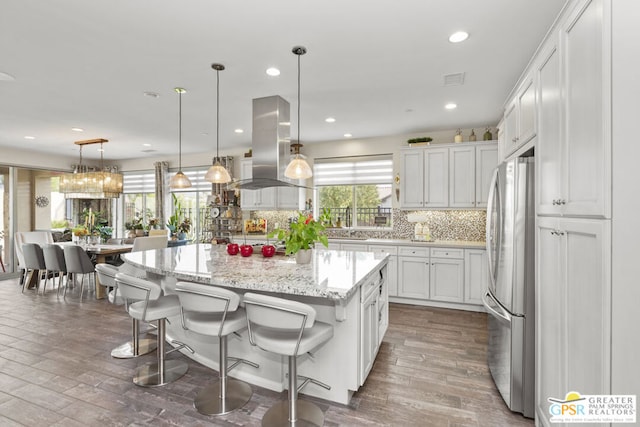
180,131
299,102
217,114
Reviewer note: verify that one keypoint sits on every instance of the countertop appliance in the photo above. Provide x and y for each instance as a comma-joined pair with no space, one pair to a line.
510,298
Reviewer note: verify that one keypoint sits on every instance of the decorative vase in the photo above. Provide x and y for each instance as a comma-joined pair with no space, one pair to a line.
303,256
131,234
139,232
182,236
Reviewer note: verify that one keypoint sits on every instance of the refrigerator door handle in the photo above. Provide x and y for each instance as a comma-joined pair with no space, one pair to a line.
489,230
495,308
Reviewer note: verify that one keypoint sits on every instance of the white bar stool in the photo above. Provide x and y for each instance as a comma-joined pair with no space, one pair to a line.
215,312
288,328
136,347
151,305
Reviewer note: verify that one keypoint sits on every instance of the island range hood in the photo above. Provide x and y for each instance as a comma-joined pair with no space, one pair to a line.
270,143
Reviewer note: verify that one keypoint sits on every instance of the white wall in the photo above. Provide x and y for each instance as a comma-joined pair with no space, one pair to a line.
33,160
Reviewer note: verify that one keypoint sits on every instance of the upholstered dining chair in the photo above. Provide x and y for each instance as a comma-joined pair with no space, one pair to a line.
78,262
55,265
33,263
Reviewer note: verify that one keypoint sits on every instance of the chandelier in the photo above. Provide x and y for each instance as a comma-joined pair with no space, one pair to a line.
83,183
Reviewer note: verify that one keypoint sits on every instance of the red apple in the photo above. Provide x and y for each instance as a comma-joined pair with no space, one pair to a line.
268,251
246,250
233,248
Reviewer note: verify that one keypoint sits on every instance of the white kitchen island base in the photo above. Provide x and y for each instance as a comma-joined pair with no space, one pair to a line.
360,319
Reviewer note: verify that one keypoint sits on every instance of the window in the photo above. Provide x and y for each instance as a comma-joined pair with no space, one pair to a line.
139,197
357,190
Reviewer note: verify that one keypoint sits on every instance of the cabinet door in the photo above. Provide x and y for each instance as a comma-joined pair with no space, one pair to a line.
462,164
412,181
436,178
369,337
526,113
392,266
289,198
476,275
510,125
551,342
573,308
413,277
549,146
586,55
249,199
353,247
486,162
446,280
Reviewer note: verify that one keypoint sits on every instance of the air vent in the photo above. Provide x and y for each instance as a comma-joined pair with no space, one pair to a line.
148,151
455,79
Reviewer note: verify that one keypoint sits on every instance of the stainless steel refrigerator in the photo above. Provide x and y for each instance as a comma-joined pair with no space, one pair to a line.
510,298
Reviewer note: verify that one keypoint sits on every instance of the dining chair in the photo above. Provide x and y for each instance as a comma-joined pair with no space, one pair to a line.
55,266
33,263
78,262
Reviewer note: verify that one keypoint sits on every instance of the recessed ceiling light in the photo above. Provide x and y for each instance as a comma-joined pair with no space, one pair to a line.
458,37
29,137
273,72
151,94
238,130
347,135
451,106
77,129
146,145
330,120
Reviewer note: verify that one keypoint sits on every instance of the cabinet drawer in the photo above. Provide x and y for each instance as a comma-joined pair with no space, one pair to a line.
413,251
447,253
381,249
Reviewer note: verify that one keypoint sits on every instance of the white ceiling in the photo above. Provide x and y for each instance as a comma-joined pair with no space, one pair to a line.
376,66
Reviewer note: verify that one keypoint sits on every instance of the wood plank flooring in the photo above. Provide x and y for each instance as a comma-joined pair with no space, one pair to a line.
56,370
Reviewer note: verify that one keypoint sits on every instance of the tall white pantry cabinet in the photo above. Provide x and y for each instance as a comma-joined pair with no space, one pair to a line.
587,202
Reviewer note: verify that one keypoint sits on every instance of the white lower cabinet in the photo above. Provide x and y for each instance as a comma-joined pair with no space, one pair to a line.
573,310
476,275
413,272
446,275
392,266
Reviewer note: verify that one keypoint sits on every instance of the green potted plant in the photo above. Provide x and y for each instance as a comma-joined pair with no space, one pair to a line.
301,236
174,220
184,228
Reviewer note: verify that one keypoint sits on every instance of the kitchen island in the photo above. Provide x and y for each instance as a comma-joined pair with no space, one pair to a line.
348,290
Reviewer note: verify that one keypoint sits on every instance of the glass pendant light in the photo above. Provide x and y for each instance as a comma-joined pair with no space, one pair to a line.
217,174
179,180
298,168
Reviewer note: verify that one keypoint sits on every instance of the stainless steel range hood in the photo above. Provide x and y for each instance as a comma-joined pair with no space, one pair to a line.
270,145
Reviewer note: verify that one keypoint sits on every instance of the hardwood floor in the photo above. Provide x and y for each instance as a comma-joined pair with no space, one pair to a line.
56,370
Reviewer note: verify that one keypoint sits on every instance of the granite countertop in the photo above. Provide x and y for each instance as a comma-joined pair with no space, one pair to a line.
334,275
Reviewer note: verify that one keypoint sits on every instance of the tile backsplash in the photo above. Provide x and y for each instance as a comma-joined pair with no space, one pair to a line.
443,224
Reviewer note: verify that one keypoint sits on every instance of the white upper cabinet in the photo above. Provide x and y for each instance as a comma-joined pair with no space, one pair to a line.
450,176
462,178
520,117
550,145
574,144
412,181
436,178
486,162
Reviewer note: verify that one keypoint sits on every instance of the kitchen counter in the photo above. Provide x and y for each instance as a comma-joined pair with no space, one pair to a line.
334,275
348,290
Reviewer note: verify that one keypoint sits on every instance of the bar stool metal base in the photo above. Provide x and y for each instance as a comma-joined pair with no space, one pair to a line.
309,414
209,402
148,374
125,351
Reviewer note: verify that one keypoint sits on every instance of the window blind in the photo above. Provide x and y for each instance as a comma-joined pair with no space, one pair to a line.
353,170
139,182
145,182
